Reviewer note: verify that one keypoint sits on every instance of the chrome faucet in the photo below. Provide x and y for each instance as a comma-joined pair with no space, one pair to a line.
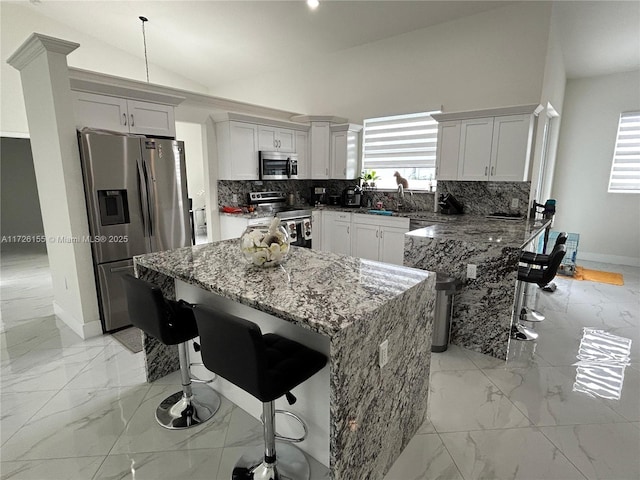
400,196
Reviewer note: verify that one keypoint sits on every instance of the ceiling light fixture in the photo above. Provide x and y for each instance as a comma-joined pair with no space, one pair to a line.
144,39
313,4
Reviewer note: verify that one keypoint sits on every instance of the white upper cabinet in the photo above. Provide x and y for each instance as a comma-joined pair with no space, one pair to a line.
448,151
475,149
343,158
276,139
240,138
512,138
302,149
319,142
237,150
493,145
122,115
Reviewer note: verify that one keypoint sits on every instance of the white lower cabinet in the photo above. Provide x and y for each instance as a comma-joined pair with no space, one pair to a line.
336,232
316,230
380,239
232,227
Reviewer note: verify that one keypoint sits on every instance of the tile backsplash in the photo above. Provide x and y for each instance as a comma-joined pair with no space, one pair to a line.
483,198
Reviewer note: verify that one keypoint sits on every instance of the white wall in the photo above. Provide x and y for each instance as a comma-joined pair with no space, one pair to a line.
492,59
191,135
608,223
18,22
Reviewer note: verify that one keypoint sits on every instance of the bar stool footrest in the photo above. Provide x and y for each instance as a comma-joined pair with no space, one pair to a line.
295,417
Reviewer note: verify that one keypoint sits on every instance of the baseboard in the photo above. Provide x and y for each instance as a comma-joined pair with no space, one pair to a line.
83,330
614,259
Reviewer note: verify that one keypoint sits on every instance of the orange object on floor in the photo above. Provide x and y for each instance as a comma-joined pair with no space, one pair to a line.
598,276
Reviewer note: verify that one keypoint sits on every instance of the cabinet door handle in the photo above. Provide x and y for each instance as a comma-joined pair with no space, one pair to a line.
326,171
124,117
492,171
376,233
380,233
347,230
132,122
486,170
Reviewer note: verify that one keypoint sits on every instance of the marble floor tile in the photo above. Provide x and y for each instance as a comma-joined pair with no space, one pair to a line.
600,451
75,423
559,347
424,458
192,464
243,429
18,408
468,400
454,358
628,405
114,366
545,395
78,468
144,434
426,427
522,453
35,371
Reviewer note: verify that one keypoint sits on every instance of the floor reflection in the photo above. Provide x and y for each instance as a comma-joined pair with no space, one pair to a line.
602,360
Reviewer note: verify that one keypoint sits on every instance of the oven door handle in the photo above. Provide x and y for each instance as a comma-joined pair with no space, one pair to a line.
288,167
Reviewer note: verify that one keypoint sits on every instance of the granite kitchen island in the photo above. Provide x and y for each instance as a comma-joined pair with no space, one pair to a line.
360,415
483,309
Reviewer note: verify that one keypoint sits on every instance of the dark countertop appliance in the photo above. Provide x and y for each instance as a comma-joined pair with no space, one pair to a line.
351,197
449,205
319,196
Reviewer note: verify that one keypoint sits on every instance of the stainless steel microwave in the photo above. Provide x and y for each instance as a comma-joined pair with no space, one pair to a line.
278,165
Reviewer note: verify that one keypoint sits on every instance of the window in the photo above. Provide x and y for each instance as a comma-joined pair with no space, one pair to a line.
625,169
403,143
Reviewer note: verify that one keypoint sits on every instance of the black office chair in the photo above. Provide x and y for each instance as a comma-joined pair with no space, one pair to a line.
266,366
541,277
172,323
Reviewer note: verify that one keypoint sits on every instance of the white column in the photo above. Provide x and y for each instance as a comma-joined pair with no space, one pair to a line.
42,62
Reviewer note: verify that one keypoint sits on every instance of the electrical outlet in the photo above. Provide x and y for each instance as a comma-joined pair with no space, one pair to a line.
383,357
515,203
234,198
472,270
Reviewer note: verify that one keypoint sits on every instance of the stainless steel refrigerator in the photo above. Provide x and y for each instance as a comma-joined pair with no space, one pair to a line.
136,191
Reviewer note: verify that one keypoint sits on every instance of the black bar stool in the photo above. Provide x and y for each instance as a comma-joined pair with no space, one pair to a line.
541,277
527,314
172,323
266,366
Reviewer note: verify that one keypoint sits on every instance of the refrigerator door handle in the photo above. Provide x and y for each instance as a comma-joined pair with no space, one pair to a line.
151,199
144,197
121,269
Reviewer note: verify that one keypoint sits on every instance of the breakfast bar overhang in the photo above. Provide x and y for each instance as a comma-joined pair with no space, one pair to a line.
362,415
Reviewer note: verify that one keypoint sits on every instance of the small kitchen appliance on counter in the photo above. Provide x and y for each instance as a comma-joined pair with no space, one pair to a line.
351,197
318,196
449,205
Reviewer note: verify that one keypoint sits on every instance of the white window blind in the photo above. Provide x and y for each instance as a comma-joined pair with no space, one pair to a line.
625,168
400,141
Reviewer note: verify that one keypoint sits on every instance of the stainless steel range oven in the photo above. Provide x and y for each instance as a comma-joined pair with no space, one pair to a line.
297,220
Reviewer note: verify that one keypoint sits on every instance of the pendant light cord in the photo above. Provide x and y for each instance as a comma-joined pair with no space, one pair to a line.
144,39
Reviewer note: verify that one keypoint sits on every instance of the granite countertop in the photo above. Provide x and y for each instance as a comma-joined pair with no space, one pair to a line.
479,229
321,291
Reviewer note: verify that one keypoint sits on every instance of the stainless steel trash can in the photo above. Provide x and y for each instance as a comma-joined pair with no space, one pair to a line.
445,289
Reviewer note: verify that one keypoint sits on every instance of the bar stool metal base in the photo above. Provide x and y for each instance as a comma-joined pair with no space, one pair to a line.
290,465
522,333
176,412
529,315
